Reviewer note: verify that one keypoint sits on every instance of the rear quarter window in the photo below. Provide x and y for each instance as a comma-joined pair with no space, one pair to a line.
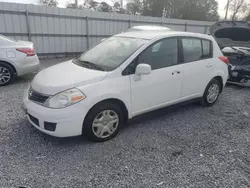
194,49
207,49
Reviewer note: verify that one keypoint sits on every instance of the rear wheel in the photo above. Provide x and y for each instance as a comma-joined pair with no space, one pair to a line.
212,93
7,74
103,121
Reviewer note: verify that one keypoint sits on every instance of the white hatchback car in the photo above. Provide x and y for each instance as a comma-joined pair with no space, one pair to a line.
124,76
16,58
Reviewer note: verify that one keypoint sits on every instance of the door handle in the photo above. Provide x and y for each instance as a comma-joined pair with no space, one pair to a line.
209,65
176,72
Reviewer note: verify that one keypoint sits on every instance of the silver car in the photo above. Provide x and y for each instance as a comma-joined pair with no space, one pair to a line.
16,58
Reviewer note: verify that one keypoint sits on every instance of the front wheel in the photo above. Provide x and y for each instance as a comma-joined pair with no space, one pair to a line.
212,93
103,121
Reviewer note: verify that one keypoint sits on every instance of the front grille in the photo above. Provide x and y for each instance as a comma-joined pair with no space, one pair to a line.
34,120
37,97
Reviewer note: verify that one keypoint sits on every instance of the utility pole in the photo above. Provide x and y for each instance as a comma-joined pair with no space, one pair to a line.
122,3
227,7
76,3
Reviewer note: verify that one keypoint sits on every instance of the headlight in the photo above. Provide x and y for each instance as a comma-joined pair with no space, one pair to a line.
65,98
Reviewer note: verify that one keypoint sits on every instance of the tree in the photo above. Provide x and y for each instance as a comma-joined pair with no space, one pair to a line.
183,9
51,3
90,4
71,5
104,7
154,8
247,18
118,7
237,6
203,10
134,7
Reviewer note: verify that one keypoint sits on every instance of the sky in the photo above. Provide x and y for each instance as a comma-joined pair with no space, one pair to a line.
62,3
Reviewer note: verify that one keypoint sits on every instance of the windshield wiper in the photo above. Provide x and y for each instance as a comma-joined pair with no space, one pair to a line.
237,50
91,65
245,49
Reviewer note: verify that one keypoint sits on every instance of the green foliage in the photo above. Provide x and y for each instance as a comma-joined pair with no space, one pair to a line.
51,3
205,10
183,9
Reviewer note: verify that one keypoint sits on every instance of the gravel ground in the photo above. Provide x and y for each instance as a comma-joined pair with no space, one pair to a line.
181,146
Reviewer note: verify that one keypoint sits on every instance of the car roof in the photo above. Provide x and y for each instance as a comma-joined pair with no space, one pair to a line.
153,34
149,28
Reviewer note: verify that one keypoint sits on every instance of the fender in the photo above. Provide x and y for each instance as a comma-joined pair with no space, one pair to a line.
108,89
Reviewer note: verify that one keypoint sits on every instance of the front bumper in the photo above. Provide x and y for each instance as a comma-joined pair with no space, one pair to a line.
67,121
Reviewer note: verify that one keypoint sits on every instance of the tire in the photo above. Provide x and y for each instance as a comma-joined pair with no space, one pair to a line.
7,74
95,126
217,90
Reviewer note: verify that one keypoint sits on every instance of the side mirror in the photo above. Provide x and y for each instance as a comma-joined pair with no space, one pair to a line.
143,69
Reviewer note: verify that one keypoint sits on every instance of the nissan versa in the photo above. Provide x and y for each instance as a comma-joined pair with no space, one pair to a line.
126,75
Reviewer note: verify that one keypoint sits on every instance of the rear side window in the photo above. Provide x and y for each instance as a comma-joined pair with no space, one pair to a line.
207,52
195,49
192,49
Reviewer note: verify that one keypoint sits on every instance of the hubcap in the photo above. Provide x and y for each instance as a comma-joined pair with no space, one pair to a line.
213,93
4,75
105,123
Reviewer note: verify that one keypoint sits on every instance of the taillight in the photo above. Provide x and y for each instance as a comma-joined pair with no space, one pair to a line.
28,51
224,59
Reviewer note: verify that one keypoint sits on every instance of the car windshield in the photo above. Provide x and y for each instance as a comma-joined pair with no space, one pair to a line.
7,38
111,53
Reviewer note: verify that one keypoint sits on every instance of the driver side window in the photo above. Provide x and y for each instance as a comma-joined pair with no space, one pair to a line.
161,54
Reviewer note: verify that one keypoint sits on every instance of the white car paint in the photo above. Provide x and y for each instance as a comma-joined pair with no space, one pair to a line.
22,63
150,28
69,75
139,93
159,81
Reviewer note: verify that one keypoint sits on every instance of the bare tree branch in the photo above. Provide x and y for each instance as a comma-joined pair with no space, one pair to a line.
238,6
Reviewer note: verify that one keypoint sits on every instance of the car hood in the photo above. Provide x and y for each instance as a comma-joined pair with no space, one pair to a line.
231,33
64,76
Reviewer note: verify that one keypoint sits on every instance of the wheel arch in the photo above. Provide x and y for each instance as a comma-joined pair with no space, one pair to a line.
220,79
116,101
7,63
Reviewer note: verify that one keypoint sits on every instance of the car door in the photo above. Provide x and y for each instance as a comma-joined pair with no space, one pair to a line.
163,85
197,66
